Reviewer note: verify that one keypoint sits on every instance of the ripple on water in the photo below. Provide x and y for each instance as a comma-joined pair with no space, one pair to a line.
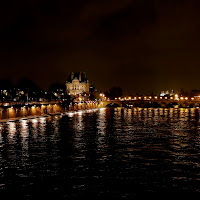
107,152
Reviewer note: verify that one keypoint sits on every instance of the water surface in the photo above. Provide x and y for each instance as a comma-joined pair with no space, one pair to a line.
116,153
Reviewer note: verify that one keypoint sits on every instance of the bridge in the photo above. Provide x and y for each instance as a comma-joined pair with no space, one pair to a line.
155,103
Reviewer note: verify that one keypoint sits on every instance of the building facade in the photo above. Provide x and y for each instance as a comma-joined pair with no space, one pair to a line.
77,83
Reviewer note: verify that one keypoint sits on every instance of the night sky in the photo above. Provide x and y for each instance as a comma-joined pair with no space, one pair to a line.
140,45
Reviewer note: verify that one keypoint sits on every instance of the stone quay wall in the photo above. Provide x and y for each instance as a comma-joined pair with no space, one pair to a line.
20,111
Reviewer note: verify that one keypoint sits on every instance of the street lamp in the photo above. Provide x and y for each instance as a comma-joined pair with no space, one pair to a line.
176,96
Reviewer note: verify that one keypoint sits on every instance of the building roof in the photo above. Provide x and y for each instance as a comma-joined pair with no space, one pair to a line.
76,75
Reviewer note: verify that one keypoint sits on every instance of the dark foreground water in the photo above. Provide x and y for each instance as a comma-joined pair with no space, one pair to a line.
116,153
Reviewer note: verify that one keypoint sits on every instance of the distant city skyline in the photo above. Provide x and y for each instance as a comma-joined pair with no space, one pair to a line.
135,91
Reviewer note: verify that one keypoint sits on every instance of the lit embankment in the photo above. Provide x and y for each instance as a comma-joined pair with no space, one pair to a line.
21,111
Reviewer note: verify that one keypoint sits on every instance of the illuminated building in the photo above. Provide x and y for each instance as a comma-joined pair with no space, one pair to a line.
167,93
77,83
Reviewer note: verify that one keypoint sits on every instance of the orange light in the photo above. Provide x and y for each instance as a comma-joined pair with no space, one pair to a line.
176,96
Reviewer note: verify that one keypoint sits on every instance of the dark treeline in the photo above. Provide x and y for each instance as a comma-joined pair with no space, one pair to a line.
27,90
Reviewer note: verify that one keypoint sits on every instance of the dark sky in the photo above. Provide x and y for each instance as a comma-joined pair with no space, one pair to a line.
141,45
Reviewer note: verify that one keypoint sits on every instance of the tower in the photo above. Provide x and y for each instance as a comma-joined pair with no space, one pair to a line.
77,83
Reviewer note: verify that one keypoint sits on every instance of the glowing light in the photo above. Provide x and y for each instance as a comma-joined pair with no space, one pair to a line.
80,112
70,114
186,98
34,121
23,123
176,96
192,98
156,97
181,98
12,130
42,120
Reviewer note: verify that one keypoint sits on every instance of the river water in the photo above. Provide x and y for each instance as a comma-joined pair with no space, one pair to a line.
116,153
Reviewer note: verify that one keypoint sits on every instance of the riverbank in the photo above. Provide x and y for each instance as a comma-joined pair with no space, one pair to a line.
26,118
18,112
44,115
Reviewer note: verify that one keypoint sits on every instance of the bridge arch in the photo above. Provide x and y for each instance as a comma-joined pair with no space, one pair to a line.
152,105
128,105
139,104
113,105
173,104
197,105
192,105
163,104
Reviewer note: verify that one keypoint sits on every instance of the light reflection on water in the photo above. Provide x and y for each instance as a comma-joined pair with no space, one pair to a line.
103,152
12,131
